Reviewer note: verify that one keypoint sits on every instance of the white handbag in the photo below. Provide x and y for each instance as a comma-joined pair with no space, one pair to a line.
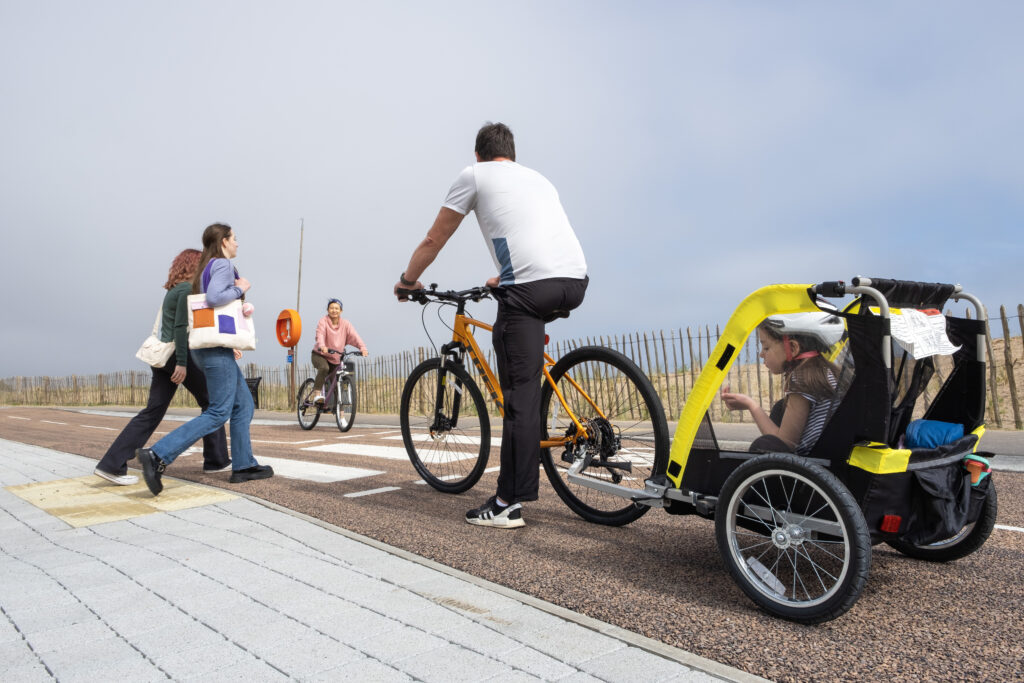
225,325
153,351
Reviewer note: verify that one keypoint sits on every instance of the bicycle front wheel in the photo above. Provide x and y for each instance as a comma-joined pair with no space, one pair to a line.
627,434
445,426
345,407
308,411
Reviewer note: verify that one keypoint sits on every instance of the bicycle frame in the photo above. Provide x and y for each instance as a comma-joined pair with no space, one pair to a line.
463,340
333,381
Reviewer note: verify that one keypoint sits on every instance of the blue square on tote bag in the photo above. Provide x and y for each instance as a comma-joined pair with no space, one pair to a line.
226,324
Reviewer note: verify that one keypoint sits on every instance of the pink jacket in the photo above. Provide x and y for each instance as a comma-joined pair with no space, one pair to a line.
336,338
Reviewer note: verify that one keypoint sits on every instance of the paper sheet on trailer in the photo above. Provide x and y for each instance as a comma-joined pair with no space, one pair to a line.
921,333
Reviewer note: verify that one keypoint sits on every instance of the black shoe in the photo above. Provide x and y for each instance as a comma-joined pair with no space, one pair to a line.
250,473
152,469
492,514
217,468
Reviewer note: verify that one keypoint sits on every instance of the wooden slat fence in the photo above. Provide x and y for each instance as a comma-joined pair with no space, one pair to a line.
671,358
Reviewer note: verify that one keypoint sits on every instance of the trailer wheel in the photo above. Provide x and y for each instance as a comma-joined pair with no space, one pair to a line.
793,537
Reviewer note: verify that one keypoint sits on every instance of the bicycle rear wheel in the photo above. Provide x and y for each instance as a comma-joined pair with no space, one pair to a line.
448,437
308,411
345,407
629,444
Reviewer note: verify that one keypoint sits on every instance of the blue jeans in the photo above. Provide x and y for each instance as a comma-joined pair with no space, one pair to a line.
229,398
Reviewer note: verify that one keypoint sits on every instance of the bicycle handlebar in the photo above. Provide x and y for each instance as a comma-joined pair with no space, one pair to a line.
344,354
425,296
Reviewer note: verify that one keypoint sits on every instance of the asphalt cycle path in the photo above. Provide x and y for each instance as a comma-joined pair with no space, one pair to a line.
660,577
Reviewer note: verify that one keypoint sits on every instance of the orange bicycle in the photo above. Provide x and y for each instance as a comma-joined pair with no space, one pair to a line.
596,405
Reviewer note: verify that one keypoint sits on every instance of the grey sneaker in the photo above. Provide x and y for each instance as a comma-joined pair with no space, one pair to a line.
119,479
152,469
492,514
214,468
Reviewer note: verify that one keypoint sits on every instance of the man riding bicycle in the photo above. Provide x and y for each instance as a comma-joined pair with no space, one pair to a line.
542,276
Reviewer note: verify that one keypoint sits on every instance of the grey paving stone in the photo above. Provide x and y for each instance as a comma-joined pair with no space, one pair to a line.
349,623
16,654
145,616
480,638
86,574
400,644
581,677
364,670
112,595
29,673
536,663
37,590
693,677
464,596
48,558
454,663
169,638
247,671
435,618
627,663
138,563
180,579
339,580
572,643
255,635
8,633
44,618
402,572
58,638
308,654
185,661
95,659
519,620
284,595
224,568
397,603
517,677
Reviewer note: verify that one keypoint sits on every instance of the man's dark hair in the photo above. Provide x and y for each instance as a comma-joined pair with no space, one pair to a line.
495,140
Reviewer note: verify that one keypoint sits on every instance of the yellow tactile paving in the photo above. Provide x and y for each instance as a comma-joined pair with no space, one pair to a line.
89,500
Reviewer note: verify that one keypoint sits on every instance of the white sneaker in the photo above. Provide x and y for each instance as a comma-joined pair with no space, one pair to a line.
319,398
119,479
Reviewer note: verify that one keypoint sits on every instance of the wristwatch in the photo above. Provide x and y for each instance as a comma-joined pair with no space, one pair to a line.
407,283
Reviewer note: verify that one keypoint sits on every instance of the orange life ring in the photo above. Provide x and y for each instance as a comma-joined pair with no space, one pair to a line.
289,328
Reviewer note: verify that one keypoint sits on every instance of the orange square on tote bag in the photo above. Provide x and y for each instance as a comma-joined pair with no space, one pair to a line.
202,317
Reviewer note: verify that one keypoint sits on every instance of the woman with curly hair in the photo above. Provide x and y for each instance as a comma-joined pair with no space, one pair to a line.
181,368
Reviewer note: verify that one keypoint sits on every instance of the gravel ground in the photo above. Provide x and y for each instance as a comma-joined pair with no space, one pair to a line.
663,577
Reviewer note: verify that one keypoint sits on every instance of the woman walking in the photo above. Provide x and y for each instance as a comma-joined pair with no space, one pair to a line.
180,369
229,394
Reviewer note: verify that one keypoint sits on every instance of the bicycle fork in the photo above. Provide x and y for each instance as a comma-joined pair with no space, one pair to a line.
445,423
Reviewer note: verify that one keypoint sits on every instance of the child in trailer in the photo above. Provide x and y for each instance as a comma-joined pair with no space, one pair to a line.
794,345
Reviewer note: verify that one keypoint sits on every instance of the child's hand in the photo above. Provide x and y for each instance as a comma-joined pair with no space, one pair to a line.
736,401
247,309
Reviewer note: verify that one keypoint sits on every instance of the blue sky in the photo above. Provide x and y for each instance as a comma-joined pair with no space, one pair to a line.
701,150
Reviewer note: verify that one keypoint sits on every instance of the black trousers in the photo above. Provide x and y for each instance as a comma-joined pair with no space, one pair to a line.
137,432
518,339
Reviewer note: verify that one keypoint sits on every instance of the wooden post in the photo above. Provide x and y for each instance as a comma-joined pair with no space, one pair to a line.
1020,322
693,365
992,376
1008,356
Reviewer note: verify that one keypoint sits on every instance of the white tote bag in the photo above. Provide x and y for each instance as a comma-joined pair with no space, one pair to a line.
225,325
153,351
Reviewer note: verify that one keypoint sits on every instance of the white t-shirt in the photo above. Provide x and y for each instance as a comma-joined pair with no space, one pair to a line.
522,221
